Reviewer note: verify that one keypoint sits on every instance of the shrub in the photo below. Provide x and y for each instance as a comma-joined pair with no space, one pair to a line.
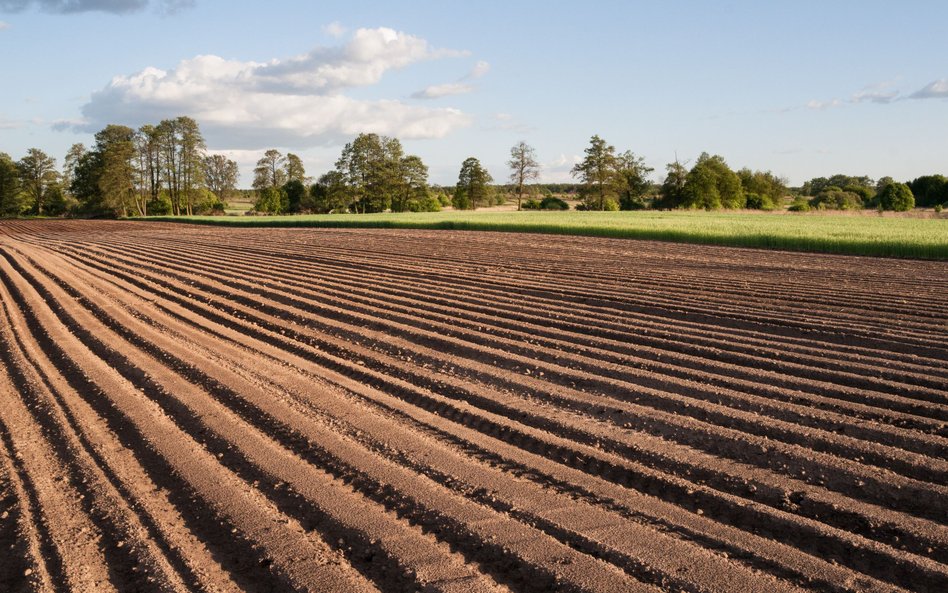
424,204
937,208
759,202
896,196
834,199
799,205
553,203
531,204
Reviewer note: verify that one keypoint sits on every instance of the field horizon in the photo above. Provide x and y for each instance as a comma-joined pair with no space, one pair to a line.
868,235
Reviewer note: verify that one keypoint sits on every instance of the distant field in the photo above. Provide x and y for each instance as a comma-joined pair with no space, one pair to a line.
828,233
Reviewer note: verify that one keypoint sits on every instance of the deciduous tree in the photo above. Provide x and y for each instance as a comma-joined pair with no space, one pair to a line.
632,181
221,175
597,171
37,172
473,188
523,168
270,170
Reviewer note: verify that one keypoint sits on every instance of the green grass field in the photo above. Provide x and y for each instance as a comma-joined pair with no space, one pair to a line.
828,233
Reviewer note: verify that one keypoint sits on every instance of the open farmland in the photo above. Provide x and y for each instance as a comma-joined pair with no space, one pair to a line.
194,408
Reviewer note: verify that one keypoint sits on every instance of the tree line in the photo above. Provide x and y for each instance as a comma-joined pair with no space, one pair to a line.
166,169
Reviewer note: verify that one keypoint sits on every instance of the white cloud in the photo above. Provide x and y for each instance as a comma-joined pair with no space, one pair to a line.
443,90
935,90
4,25
823,105
460,87
334,29
480,69
293,102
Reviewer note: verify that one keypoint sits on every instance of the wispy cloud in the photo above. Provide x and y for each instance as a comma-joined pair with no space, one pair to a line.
459,87
437,91
4,26
882,93
292,102
934,90
335,29
109,6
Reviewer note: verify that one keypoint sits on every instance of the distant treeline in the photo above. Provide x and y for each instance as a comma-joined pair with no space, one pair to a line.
166,169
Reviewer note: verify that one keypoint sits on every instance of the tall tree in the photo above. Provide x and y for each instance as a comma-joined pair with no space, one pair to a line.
711,184
37,173
523,167
270,171
11,203
148,165
597,171
672,192
411,184
294,168
70,163
473,186
632,181
116,145
371,165
221,175
169,139
191,162
329,193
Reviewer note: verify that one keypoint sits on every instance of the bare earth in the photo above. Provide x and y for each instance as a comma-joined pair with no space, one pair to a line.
202,409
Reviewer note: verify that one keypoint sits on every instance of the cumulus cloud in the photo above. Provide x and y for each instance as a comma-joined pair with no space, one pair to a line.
110,6
294,102
935,90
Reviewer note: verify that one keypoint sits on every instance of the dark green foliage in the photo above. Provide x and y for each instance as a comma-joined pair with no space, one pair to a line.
424,204
295,195
85,184
768,189
597,171
814,186
553,203
897,197
328,194
929,190
758,202
632,181
531,204
799,205
672,192
473,188
272,200
11,197
837,199
711,185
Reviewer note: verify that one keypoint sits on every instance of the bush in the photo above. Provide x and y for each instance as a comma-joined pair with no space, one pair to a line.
896,196
272,200
425,204
759,202
553,203
837,199
799,205
531,204
937,208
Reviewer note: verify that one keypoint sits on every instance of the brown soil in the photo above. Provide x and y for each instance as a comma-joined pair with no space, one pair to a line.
205,409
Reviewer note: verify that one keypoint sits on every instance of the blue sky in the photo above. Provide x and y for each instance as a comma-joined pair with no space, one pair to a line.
800,88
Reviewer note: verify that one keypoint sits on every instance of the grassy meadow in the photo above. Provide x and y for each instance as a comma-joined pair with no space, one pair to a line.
829,233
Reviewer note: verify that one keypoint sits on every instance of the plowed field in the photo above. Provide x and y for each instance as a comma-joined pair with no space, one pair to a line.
204,409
